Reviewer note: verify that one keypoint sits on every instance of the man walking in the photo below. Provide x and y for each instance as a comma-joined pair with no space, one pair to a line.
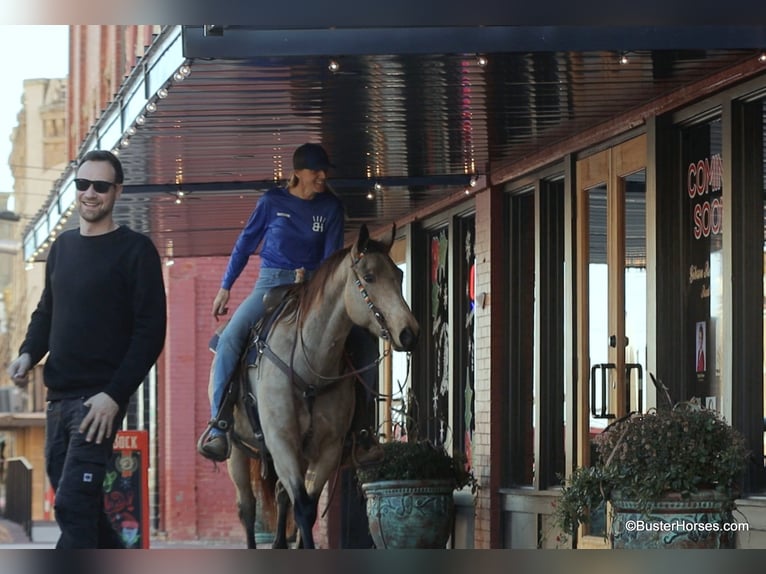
101,319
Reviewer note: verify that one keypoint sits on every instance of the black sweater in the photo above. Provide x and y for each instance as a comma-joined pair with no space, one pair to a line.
102,315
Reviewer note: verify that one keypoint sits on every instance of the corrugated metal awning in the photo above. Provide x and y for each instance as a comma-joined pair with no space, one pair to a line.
210,121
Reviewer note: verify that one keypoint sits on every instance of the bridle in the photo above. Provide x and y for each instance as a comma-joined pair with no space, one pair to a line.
377,313
311,390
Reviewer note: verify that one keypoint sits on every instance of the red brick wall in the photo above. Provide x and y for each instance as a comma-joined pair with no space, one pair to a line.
99,59
198,500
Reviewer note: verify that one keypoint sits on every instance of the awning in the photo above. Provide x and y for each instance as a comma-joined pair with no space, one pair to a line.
411,116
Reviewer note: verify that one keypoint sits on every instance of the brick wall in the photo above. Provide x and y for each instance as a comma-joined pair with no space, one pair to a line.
99,59
198,500
488,360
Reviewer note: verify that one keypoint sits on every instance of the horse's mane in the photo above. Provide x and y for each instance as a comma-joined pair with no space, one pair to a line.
313,290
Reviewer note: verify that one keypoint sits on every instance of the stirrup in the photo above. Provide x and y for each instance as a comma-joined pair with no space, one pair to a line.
221,425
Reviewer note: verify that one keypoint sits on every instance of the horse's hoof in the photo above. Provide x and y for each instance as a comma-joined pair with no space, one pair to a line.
216,448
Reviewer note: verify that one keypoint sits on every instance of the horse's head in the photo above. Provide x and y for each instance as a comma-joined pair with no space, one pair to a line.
373,295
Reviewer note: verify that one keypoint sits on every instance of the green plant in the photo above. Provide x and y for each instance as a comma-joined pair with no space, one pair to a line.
682,449
419,460
413,458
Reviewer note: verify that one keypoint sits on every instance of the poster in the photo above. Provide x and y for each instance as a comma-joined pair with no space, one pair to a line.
126,488
703,191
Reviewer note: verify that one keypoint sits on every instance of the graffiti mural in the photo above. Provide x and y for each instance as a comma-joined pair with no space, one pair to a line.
440,369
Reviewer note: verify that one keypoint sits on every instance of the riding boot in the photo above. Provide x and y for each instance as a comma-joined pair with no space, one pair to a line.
215,446
214,442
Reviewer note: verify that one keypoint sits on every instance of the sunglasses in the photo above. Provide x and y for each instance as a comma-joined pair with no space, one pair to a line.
100,186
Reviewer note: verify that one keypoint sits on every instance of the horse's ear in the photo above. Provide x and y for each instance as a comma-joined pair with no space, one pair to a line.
389,241
361,242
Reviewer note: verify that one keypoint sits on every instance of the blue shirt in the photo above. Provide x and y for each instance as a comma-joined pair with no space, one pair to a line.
294,232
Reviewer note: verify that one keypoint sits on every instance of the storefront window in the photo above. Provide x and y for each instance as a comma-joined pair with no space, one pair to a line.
763,171
703,222
439,376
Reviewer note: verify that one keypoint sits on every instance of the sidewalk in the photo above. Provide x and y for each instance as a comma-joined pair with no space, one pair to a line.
12,536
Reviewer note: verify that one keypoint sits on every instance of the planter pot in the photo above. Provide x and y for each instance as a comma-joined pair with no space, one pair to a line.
674,522
410,513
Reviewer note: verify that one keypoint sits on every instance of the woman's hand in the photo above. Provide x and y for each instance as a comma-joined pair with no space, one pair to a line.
219,304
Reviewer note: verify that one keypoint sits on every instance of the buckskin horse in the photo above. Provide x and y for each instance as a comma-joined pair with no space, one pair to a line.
304,396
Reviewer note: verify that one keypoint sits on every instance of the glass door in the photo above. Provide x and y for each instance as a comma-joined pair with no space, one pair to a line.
611,295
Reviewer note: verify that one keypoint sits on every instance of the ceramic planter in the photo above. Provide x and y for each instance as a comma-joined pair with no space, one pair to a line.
701,521
410,513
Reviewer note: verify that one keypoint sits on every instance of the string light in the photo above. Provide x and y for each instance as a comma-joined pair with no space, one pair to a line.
182,73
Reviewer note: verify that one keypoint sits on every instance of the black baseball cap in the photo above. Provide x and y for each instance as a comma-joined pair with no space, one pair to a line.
311,156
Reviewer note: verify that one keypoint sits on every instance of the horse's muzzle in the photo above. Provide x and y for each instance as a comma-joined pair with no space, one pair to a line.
408,339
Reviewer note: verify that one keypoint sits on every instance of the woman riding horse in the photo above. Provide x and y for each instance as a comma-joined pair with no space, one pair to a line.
304,396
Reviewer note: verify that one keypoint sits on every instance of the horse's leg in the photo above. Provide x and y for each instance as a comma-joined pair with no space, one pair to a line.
305,511
289,470
320,471
239,471
281,428
283,505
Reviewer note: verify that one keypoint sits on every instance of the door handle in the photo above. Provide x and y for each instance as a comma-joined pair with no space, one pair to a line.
603,367
628,368
613,341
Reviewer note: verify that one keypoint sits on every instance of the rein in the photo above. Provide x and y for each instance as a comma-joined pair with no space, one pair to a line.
308,390
379,317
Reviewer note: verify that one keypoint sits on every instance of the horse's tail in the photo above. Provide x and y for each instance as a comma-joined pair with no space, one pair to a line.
265,490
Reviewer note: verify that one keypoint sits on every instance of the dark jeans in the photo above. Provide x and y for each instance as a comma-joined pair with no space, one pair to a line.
76,469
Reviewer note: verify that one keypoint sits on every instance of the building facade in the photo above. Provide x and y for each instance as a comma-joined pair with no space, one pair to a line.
549,292
38,155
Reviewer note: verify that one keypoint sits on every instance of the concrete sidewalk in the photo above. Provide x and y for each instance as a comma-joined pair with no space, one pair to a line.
12,536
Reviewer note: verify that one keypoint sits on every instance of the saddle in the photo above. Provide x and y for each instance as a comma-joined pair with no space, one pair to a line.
238,387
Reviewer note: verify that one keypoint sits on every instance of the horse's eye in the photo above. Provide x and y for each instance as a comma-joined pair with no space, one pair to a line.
369,278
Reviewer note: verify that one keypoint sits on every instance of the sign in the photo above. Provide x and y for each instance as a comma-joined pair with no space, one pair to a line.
703,191
126,488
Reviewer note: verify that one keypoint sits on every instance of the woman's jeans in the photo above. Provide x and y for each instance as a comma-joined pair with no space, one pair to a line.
234,339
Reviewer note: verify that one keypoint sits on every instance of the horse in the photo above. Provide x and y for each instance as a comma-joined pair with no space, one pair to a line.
304,396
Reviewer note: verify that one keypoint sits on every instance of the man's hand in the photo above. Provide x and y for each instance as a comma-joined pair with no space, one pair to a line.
100,418
19,369
219,304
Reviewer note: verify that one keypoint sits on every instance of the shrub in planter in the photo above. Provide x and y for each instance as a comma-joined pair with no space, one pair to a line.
678,452
409,494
